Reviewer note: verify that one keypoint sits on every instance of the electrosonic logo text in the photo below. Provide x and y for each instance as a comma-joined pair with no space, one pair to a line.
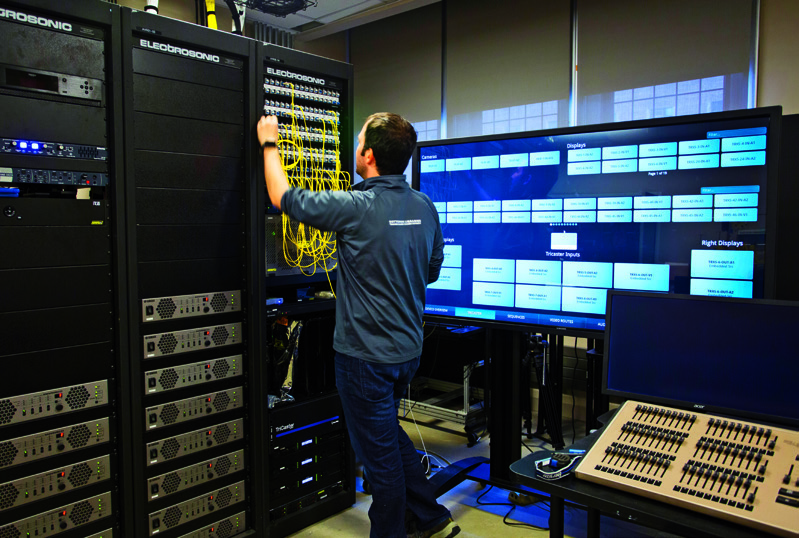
296,76
33,19
163,47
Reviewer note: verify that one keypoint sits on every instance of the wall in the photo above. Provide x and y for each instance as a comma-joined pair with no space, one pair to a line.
184,10
333,46
778,69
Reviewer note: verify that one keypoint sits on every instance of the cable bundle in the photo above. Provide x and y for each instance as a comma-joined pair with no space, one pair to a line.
304,246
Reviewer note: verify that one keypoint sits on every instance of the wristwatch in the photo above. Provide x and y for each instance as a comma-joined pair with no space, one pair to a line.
269,144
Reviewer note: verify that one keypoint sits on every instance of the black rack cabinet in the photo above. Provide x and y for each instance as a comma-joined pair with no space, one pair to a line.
188,142
62,271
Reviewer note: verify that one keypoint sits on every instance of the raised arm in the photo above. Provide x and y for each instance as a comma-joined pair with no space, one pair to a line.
275,176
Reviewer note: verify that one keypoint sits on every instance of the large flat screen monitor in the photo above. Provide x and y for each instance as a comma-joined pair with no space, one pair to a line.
718,355
539,226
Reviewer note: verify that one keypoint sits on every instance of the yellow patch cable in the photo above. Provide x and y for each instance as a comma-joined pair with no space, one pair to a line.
304,167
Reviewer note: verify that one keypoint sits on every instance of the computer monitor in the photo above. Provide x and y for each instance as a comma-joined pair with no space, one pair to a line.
724,356
539,225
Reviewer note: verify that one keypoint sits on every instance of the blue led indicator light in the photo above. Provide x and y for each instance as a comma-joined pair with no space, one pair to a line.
23,145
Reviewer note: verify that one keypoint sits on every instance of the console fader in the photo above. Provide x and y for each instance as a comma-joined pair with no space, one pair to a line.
736,470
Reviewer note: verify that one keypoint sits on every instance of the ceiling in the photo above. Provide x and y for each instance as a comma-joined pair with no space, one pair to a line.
331,16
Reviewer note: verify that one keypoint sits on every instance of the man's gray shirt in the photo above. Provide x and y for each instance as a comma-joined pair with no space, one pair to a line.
390,247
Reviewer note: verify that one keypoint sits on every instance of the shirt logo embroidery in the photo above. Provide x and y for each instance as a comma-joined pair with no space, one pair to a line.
412,222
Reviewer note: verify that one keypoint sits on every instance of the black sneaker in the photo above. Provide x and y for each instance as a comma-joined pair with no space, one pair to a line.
445,529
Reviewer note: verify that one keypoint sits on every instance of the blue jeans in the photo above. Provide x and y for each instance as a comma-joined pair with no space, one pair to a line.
370,395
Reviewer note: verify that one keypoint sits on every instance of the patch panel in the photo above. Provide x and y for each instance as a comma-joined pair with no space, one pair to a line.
309,134
278,108
312,93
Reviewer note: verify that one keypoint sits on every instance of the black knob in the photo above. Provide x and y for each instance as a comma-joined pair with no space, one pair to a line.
152,382
60,447
210,475
63,525
153,453
210,507
207,377
59,406
62,486
153,418
209,442
207,343
208,410
206,309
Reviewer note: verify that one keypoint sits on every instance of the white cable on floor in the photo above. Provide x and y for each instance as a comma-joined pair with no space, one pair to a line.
424,448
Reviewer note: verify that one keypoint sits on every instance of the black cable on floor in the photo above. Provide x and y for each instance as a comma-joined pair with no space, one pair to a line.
512,508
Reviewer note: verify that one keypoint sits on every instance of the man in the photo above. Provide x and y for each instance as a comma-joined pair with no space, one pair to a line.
390,247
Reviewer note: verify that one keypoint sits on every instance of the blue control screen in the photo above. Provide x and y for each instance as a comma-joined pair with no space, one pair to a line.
537,229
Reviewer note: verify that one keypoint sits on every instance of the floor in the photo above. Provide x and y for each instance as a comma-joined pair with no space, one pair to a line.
446,442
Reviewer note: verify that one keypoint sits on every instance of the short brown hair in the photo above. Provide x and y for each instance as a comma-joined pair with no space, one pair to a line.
392,139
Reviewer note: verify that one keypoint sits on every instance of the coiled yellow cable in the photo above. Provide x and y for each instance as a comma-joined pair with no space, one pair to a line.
304,167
